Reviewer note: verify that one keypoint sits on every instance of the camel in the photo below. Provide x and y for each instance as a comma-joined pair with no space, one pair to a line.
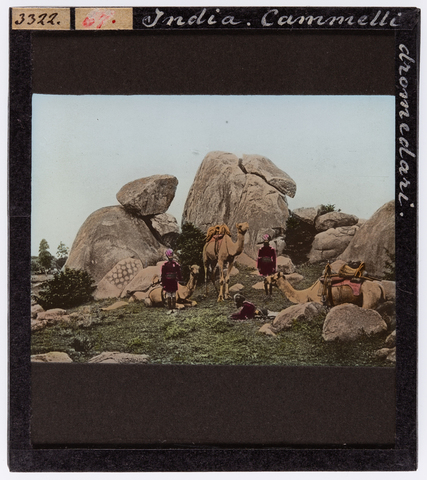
371,292
155,298
220,253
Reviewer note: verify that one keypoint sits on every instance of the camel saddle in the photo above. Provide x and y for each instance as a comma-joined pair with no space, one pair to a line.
218,240
350,275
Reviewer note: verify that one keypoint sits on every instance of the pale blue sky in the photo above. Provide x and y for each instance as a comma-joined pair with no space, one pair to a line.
338,149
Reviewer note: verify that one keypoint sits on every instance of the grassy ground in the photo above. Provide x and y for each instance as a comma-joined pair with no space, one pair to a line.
205,335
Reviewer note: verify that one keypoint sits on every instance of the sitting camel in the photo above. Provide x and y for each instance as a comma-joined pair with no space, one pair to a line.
155,297
221,252
371,292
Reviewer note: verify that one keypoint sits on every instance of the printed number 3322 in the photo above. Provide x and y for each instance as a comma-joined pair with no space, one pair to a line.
31,19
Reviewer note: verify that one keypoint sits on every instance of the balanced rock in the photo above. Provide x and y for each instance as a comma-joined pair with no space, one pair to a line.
118,357
303,312
148,196
230,190
329,244
51,357
374,241
348,322
334,220
265,168
109,235
166,227
116,280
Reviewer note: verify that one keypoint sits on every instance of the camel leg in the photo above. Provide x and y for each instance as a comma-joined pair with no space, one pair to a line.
221,282
206,278
266,286
227,279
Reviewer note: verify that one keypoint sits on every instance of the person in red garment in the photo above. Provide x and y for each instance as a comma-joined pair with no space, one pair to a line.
246,309
266,262
171,275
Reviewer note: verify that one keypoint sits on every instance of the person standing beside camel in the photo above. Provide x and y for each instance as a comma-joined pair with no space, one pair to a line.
266,262
171,275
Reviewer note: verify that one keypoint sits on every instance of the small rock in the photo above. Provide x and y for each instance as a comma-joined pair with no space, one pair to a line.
51,314
390,341
267,329
51,357
118,357
35,310
236,288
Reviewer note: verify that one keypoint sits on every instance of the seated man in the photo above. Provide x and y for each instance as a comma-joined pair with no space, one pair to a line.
246,309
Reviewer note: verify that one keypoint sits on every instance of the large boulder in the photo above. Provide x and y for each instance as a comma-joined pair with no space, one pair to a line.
230,190
148,196
331,243
116,280
333,220
302,312
374,241
348,322
109,235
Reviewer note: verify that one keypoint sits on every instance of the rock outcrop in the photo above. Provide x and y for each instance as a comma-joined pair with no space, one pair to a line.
329,244
148,196
230,190
349,322
374,241
135,233
334,220
110,235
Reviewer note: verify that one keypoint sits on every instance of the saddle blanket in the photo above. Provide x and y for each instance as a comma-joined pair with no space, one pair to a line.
348,283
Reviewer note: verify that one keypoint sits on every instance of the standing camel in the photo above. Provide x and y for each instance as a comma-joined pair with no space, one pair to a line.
371,292
219,253
183,294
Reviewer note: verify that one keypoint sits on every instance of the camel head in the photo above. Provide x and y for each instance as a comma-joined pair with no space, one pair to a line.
194,270
272,279
242,228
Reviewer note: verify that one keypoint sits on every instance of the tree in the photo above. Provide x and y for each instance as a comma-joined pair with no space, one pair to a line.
61,255
62,251
189,247
45,257
67,289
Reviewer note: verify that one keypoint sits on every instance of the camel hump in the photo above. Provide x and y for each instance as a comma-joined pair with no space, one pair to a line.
217,231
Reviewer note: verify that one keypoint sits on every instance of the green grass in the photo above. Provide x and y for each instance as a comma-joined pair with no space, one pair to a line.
205,335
